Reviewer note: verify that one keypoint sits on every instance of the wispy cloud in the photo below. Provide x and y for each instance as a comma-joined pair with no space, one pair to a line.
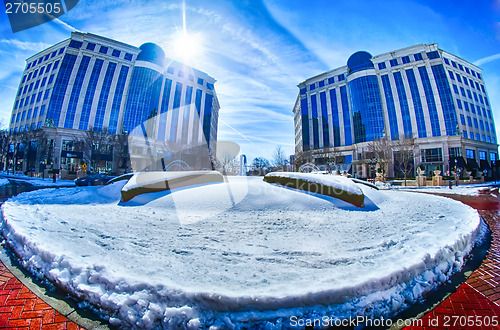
65,25
487,59
25,45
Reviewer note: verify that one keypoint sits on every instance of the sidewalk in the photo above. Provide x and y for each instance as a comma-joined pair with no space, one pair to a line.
476,303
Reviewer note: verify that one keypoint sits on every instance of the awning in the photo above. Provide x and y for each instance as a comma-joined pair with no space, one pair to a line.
471,164
484,164
459,162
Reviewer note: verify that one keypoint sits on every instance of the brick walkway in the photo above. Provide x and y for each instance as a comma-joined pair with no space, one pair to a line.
476,303
22,309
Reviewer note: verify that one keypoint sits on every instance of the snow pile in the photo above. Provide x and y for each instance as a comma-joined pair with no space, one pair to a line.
241,253
466,190
4,182
39,182
147,182
331,185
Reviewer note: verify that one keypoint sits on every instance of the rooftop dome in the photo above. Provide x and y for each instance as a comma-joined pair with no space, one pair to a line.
360,61
153,53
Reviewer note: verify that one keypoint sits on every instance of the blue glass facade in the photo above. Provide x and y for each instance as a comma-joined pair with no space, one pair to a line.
75,92
324,120
431,102
57,99
391,108
403,103
367,113
417,103
335,118
103,97
89,95
347,115
143,97
305,124
449,113
117,100
314,114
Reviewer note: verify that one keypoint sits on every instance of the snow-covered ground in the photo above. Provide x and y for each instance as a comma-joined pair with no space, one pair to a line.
39,182
239,253
4,182
468,190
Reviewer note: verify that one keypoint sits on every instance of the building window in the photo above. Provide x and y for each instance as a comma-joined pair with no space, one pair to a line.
39,125
42,110
467,70
452,76
103,50
381,66
476,125
60,51
200,82
469,121
54,53
116,53
51,79
464,134
35,112
170,70
455,89
312,87
210,86
432,155
459,104
91,46
321,84
459,78
56,64
394,62
470,154
341,77
493,156
460,67
128,56
405,59
303,91
446,61
75,44
478,137
331,80
418,57
462,119
433,55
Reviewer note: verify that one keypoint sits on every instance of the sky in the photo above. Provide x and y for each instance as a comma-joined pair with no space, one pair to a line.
260,50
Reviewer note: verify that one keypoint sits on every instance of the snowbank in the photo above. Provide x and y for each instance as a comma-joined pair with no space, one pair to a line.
4,182
241,253
148,182
331,185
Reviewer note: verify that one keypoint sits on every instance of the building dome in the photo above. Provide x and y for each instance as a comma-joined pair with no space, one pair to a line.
360,61
153,53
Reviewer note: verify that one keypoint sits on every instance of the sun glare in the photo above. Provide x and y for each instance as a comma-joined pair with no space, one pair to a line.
188,46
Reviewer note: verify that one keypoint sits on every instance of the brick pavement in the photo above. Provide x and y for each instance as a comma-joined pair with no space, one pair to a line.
22,309
476,303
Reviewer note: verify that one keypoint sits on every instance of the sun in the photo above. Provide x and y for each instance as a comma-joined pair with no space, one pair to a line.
188,46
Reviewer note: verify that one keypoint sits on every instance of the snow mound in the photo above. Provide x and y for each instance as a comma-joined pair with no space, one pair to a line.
331,185
241,253
148,182
4,182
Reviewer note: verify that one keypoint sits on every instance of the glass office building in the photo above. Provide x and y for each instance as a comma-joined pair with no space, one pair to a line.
421,93
91,83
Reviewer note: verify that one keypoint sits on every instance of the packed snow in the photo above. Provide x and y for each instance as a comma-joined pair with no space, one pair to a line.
241,253
4,182
466,190
335,181
39,182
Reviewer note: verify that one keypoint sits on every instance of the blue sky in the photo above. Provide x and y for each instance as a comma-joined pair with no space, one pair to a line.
260,50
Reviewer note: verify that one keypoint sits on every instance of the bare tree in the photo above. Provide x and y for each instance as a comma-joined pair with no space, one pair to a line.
93,143
381,149
226,163
279,158
404,156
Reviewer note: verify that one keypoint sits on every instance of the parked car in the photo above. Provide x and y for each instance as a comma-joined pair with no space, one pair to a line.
93,180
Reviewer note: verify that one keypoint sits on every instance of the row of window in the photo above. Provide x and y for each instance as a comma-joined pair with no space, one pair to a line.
37,72
102,49
436,154
406,59
477,123
35,98
462,68
471,95
27,115
44,58
26,128
465,81
478,137
469,107
323,83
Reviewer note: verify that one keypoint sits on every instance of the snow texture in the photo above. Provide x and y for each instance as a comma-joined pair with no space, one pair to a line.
4,182
39,182
334,181
243,253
